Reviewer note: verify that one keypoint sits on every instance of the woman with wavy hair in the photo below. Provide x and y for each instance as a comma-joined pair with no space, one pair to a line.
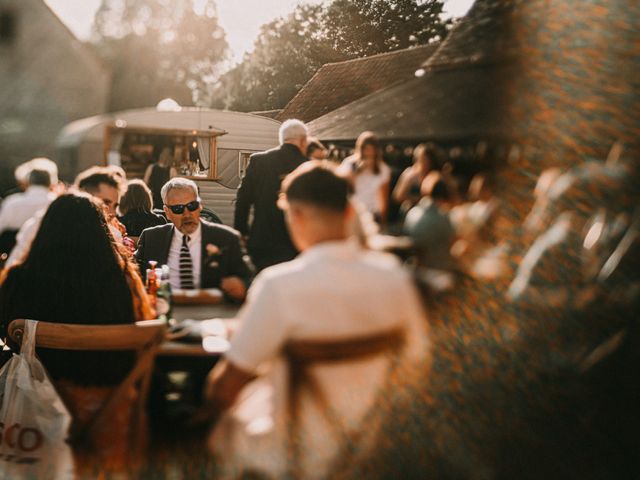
76,273
369,175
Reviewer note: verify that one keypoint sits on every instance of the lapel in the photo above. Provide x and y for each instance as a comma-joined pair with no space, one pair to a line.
165,246
209,277
204,239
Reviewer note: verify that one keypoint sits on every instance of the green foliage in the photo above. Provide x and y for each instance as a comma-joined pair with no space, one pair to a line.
290,50
286,54
158,49
366,27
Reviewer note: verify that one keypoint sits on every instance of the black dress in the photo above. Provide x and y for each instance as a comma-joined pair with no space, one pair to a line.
159,176
136,221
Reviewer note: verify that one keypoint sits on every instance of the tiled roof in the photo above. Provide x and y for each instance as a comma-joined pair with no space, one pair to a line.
336,84
443,105
454,98
482,36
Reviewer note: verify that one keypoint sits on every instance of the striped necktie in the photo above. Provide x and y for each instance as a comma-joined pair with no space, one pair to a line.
186,265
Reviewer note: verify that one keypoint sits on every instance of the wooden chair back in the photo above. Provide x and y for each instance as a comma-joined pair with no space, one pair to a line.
301,355
143,337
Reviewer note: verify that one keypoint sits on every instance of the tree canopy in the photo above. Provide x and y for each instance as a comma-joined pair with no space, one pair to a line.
290,50
158,49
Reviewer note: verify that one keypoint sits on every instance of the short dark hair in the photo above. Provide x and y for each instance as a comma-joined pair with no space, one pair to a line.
316,183
435,187
90,180
41,178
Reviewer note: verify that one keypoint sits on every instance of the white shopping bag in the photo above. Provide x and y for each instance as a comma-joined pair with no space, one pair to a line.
34,423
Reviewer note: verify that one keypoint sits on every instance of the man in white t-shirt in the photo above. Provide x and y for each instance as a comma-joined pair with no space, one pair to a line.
20,207
333,291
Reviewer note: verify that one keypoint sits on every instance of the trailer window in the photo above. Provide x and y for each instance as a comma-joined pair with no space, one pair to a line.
243,163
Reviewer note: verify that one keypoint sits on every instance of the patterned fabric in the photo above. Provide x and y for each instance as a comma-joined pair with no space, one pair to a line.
186,265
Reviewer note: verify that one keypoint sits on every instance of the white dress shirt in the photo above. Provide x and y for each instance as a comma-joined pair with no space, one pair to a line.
195,248
332,291
18,208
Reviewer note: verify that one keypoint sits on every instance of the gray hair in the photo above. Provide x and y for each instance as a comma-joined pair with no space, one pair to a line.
177,183
292,129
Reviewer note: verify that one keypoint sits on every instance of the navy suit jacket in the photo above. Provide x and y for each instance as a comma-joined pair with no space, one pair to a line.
155,242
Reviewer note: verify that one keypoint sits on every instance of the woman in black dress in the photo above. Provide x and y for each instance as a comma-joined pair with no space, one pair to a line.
135,207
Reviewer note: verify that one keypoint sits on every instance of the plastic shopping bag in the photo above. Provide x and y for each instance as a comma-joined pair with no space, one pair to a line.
34,423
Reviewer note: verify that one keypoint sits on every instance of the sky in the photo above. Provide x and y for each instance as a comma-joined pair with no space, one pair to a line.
241,19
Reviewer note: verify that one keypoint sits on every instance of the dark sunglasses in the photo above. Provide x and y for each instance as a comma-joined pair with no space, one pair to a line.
179,209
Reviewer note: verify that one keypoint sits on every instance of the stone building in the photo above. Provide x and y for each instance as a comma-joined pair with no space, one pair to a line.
48,79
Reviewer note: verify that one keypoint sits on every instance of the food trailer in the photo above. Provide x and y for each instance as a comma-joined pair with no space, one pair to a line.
212,147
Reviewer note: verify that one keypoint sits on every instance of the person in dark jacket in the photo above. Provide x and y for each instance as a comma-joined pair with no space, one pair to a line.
268,241
135,207
199,254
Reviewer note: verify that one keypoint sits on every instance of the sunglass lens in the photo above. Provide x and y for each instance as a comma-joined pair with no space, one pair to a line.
193,206
177,209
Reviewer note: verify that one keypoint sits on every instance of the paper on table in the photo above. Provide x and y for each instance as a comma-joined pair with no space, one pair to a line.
215,344
214,327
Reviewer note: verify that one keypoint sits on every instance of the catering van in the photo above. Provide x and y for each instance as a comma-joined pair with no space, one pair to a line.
212,147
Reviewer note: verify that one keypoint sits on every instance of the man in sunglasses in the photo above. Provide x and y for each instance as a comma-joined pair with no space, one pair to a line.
199,254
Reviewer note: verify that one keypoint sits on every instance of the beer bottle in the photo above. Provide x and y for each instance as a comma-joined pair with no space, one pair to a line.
152,283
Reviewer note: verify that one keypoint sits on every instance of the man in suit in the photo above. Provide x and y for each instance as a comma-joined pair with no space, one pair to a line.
199,254
268,241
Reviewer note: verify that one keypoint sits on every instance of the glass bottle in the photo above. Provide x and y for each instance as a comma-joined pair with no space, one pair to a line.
164,306
152,283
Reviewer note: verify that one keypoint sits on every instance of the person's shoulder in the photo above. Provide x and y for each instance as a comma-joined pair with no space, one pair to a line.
347,165
385,269
220,229
414,213
380,260
13,198
350,160
157,230
265,154
282,274
159,219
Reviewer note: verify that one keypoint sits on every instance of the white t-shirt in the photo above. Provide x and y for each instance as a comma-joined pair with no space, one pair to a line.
366,183
20,207
332,291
